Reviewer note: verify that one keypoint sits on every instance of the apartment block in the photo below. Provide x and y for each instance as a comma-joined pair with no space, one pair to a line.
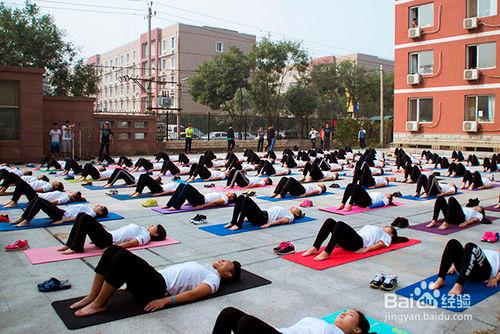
176,53
447,80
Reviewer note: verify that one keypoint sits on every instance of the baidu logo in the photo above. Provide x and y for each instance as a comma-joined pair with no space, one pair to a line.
423,295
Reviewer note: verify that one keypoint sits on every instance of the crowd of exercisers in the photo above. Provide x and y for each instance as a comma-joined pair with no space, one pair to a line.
168,183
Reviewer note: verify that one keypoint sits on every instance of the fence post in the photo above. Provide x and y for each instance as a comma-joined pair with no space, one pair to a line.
246,122
208,124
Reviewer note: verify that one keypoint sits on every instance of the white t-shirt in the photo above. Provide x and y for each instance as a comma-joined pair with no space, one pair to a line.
471,213
277,212
131,232
311,326
328,175
16,171
157,165
219,163
171,186
217,175
186,276
106,174
55,135
311,187
313,134
494,260
184,170
378,197
256,180
74,210
375,171
381,180
247,166
281,170
445,187
29,178
60,196
335,167
373,234
211,197
44,185
66,132
486,182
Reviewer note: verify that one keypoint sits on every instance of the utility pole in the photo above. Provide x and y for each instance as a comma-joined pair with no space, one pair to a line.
381,105
150,97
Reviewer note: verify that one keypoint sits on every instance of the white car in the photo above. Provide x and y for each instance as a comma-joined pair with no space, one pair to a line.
219,135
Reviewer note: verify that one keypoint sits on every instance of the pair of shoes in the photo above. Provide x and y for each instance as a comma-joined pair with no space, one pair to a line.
249,193
150,203
17,246
52,172
199,220
400,222
53,284
286,247
384,282
335,185
88,183
69,177
490,237
4,219
307,203
112,192
210,185
175,178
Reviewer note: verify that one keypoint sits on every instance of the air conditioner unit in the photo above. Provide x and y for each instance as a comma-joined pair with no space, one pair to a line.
470,23
413,79
470,126
412,126
414,33
471,74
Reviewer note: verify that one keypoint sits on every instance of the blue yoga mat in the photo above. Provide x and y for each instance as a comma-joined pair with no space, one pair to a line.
47,222
387,186
92,187
247,227
414,198
270,199
474,292
25,205
376,326
126,197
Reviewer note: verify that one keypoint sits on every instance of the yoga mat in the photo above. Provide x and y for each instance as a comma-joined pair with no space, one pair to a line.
25,205
492,208
187,208
47,222
417,198
126,197
288,197
247,227
92,187
495,185
50,254
451,229
474,292
357,209
387,186
376,326
123,305
237,188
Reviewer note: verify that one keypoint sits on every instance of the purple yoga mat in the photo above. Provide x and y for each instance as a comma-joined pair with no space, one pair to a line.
492,208
187,208
495,185
451,229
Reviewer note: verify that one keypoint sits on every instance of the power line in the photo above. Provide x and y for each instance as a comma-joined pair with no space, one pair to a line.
77,9
89,5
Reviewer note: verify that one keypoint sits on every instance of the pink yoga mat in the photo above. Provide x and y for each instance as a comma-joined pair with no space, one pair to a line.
356,209
236,188
492,208
50,254
341,256
187,208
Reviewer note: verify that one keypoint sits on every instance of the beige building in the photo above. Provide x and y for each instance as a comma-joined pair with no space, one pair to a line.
369,62
176,53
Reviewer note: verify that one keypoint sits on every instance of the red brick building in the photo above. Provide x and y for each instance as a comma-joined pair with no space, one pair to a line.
447,81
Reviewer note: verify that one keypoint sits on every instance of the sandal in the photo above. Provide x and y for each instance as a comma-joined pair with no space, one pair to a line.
249,193
88,183
112,192
210,185
53,284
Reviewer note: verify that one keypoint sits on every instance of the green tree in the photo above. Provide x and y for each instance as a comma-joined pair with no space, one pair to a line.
301,101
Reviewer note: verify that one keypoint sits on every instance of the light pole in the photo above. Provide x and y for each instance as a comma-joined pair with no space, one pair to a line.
381,105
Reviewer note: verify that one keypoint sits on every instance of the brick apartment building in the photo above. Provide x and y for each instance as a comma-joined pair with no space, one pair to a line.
176,53
447,81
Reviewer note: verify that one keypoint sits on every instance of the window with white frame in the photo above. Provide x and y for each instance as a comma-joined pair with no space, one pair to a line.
421,16
421,62
219,46
163,63
128,58
133,55
482,56
420,110
163,46
480,108
172,43
172,62
481,8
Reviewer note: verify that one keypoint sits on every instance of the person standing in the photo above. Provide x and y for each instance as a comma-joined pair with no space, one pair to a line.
362,137
189,138
327,134
260,137
105,138
67,139
313,134
271,138
321,138
230,138
55,140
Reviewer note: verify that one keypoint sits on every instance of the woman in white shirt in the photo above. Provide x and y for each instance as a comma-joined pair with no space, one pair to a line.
155,185
313,134
187,193
31,190
246,209
471,263
313,173
357,195
128,236
289,185
476,181
238,177
369,238
455,214
199,169
432,187
266,168
232,320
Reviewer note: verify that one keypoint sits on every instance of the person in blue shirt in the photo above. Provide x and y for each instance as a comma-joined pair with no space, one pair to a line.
361,137
230,138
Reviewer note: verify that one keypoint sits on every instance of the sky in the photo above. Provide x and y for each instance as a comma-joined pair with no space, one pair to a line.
325,27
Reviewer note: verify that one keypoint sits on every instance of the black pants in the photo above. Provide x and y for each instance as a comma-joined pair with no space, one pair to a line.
162,155
253,158
266,167
89,169
429,184
473,178
245,207
289,185
169,166
236,176
187,146
473,160
183,159
54,163
230,144
73,165
362,142
490,165
452,211
365,178
121,174
104,148
413,172
458,168
125,161
343,236
260,145
144,163
37,204
457,155
313,142
232,320
86,225
10,179
289,161
208,154
314,171
469,262
147,181
119,266
23,188
106,157
270,155
234,164
185,192
201,170
326,144
358,196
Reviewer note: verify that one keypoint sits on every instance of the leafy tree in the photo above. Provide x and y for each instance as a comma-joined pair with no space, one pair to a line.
301,101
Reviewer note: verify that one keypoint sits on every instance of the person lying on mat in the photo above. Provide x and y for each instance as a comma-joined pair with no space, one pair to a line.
155,185
10,179
198,169
100,173
177,284
357,195
313,173
368,238
172,169
72,164
232,320
432,187
120,174
455,214
498,204
143,164
238,177
476,181
31,190
471,263
188,193
56,214
55,197
456,169
412,173
289,185
246,208
266,168
131,235
491,164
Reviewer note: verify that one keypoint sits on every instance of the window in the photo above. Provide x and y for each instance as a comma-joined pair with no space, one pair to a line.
421,16
144,53
123,136
163,45
163,64
140,125
480,108
122,124
481,56
219,46
172,62
481,8
421,62
9,110
133,55
420,110
128,58
140,135
172,43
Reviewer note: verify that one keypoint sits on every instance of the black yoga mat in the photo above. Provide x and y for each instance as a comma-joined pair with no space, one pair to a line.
123,305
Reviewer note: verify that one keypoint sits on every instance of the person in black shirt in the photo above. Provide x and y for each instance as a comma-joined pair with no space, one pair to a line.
105,139
327,137
230,138
271,138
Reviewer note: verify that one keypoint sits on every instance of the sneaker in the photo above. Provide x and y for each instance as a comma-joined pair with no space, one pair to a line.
4,219
287,248
150,203
493,237
18,245
486,236
199,220
390,282
377,281
175,178
88,183
249,193
210,185
282,244
112,192
335,185
306,203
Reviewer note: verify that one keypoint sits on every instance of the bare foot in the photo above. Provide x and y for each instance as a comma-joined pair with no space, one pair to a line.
497,206
135,195
431,224
57,222
322,256
171,209
424,196
91,309
234,228
348,207
443,226
83,302
68,251
310,251
62,249
279,196
416,195
436,285
272,196
228,225
456,290
23,223
340,207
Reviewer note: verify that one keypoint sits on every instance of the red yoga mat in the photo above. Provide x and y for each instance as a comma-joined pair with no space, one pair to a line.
356,209
341,256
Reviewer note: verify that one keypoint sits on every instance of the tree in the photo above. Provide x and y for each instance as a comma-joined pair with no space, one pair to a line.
301,101
29,38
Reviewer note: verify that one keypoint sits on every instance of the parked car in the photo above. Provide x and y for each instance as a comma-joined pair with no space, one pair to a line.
218,135
288,134
241,136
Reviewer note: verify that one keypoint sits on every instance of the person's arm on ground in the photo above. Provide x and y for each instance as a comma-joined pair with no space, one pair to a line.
129,244
469,222
164,193
276,222
311,193
377,246
214,203
199,292
447,193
